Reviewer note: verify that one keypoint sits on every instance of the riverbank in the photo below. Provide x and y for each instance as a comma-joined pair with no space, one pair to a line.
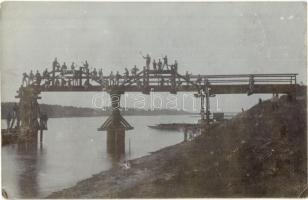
258,153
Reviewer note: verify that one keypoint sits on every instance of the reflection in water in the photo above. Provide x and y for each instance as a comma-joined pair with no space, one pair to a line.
31,162
74,150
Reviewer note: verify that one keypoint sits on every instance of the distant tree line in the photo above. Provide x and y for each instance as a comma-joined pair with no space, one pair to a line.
58,111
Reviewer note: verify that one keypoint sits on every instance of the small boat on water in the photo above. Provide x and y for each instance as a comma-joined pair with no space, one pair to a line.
174,126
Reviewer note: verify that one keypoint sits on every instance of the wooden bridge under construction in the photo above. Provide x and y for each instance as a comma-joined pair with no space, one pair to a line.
164,78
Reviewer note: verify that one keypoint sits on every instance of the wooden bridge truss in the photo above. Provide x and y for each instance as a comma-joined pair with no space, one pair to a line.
82,79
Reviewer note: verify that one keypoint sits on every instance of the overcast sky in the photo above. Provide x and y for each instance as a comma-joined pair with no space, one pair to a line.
206,38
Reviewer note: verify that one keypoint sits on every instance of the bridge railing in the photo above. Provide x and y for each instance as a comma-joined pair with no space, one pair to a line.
248,78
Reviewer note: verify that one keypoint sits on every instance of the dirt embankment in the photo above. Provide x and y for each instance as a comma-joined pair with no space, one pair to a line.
259,153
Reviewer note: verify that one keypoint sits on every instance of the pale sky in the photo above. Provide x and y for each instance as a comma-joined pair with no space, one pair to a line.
205,38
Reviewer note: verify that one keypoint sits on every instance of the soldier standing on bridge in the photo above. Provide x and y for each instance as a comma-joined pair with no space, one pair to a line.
73,66
147,61
64,68
86,65
24,79
111,77
31,77
160,65
38,77
45,74
134,71
154,65
55,64
166,62
94,74
118,76
126,74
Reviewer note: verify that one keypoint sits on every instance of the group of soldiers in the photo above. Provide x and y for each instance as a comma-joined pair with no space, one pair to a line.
31,78
160,66
61,75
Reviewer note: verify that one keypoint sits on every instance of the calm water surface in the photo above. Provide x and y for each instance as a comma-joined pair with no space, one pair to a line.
74,150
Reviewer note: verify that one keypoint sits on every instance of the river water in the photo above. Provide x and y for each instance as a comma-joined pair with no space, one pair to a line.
74,150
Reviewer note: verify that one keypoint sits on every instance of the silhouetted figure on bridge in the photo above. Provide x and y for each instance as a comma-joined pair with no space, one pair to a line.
31,77
94,74
73,66
126,74
135,70
165,62
86,65
45,74
55,65
147,61
154,65
64,68
24,79
38,77
111,78
160,65
117,77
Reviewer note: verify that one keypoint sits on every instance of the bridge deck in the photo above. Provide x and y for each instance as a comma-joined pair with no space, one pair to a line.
215,89
162,80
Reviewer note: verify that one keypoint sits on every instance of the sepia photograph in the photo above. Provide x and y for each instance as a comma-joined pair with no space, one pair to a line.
122,100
